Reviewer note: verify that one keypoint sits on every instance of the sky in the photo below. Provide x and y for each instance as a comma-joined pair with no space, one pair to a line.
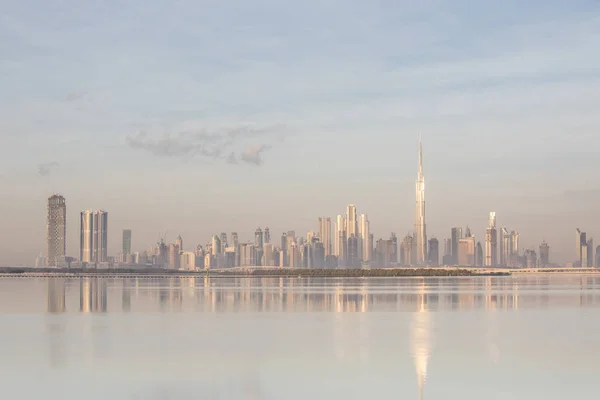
197,117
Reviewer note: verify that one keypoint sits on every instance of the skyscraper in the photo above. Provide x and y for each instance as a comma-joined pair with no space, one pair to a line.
590,252
420,231
433,253
456,235
56,229
478,255
267,235
86,237
340,226
505,247
179,243
126,241
580,241
258,238
100,236
544,254
406,248
352,260
325,234
491,244
364,250
351,221
93,237
466,251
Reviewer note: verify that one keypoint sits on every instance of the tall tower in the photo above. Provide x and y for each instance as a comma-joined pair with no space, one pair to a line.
491,244
325,234
351,221
86,237
126,241
340,227
363,237
420,232
56,229
100,246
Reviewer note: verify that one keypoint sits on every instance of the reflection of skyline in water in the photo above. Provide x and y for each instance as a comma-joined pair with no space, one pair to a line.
306,295
93,296
420,339
56,295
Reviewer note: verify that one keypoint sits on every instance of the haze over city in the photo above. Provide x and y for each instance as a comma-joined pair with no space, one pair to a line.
195,118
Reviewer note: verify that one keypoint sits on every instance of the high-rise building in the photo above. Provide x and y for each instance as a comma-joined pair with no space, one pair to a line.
406,250
283,255
215,246
530,258
393,245
126,241
447,258
267,235
505,247
343,248
351,221
420,231
56,230
174,260
247,254
597,263
179,242
86,237
479,255
363,238
456,235
236,248
491,244
580,240
100,236
93,236
258,238
382,253
325,234
544,254
340,226
590,252
224,242
352,260
466,251
294,255
433,253
268,255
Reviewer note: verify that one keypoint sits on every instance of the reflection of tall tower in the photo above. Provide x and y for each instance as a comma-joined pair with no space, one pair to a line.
421,343
420,232
56,295
92,295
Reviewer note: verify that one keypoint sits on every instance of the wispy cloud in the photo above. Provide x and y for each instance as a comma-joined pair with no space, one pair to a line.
45,169
223,145
253,155
75,96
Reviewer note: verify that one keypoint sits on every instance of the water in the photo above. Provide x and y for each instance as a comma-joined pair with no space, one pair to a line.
531,337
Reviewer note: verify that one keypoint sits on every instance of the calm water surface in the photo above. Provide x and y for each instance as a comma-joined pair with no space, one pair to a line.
534,337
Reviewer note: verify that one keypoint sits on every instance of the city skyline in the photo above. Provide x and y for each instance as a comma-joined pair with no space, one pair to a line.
298,112
355,246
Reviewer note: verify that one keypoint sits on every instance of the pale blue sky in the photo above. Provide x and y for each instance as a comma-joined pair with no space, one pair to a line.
196,117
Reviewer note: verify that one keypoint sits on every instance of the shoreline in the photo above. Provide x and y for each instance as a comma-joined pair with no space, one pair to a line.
249,272
290,272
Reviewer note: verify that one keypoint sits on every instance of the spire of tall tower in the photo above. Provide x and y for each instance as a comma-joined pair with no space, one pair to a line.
420,156
420,232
